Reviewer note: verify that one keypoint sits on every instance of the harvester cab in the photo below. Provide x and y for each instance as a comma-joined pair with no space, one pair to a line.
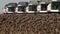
21,7
10,8
32,7
42,8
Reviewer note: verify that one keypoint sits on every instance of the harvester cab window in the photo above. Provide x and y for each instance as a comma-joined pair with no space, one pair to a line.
21,8
58,5
32,7
44,7
55,5
11,9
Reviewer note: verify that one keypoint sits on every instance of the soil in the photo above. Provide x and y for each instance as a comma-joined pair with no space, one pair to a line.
30,23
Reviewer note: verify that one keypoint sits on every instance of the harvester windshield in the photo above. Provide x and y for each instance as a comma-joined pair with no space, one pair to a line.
55,5
21,8
44,7
32,7
11,9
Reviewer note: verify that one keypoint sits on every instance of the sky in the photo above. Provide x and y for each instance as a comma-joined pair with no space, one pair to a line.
4,2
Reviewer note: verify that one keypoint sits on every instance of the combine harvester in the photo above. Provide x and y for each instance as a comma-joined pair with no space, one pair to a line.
21,6
10,8
54,6
33,7
42,7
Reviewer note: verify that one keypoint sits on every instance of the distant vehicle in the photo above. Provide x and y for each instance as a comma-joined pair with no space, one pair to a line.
32,7
54,6
42,7
10,8
21,7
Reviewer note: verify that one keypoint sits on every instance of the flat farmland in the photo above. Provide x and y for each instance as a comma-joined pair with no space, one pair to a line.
30,23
